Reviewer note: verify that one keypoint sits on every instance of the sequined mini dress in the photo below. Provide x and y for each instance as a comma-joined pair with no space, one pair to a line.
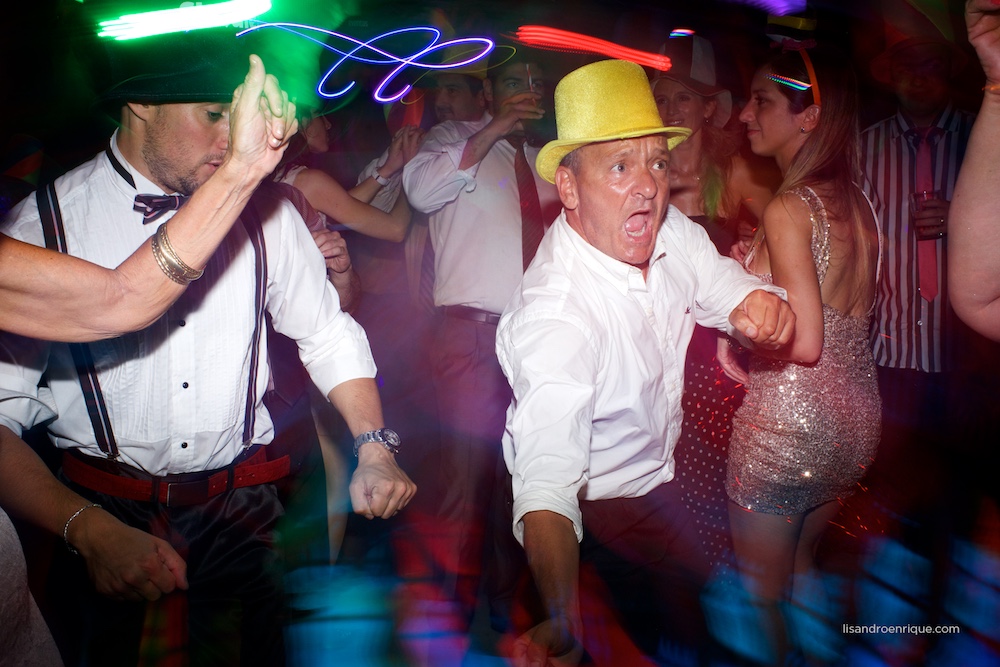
806,434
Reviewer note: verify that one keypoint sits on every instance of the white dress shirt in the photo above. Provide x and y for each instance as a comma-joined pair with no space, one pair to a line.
177,391
475,215
595,356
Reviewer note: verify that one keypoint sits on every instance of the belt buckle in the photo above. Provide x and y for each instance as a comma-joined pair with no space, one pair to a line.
180,494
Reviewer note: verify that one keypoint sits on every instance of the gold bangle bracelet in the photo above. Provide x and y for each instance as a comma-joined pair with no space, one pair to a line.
168,260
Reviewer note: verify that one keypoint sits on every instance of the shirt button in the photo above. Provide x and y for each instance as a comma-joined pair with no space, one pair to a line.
184,445
185,385
920,323
181,323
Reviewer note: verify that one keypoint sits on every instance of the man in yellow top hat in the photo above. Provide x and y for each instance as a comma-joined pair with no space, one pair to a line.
593,344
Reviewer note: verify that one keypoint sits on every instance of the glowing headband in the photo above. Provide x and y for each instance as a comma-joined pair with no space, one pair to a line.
146,24
368,52
681,32
563,40
790,82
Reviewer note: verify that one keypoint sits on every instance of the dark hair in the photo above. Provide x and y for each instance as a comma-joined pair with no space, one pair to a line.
831,151
571,161
830,154
475,84
501,58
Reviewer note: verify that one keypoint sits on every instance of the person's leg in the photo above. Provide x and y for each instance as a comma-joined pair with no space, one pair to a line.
765,546
814,524
648,553
236,599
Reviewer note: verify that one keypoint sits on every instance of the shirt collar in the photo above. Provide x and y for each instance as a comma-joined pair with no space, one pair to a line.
947,121
141,183
624,277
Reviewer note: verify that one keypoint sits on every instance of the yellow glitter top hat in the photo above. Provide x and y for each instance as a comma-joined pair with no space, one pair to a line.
603,101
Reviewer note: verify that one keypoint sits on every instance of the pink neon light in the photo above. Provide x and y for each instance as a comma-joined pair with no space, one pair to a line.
564,40
381,57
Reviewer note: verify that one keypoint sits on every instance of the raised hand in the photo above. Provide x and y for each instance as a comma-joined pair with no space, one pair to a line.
261,121
514,109
405,144
982,17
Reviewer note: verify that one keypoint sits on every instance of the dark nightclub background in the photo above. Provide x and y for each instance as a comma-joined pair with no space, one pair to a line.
52,64
53,68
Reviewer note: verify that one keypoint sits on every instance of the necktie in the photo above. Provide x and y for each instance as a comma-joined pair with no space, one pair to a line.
926,250
531,210
153,207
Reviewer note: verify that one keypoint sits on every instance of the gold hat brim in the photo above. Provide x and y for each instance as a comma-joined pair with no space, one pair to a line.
553,152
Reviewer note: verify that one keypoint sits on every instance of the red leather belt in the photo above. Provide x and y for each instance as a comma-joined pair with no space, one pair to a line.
121,481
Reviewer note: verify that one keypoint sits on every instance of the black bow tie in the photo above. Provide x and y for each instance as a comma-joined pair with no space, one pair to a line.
153,207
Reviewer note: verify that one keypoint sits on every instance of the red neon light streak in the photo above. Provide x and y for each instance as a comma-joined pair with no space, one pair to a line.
564,40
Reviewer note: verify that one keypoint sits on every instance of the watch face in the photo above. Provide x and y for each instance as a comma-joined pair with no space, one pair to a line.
391,437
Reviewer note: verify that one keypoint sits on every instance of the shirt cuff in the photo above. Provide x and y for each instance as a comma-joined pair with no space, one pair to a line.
548,500
468,176
21,408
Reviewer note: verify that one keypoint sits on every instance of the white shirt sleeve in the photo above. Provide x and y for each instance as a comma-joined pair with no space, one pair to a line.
432,178
304,306
553,365
722,282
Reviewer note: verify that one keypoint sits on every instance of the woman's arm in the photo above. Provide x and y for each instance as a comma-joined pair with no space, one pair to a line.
328,196
44,294
788,237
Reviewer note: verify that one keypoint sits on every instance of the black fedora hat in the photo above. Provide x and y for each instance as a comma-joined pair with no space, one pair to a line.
195,66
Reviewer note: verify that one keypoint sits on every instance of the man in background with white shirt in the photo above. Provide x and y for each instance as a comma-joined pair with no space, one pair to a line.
593,343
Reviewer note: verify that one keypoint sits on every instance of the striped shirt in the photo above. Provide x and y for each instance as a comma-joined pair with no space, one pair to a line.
910,332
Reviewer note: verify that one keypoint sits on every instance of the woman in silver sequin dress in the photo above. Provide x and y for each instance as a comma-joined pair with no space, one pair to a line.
809,424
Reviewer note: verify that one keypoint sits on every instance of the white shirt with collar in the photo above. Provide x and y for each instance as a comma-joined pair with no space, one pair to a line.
177,390
595,356
475,214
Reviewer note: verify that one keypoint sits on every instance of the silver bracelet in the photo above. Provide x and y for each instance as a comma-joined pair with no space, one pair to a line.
168,260
70,520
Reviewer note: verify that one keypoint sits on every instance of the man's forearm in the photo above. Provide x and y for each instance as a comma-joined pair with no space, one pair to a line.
553,554
478,145
358,403
29,490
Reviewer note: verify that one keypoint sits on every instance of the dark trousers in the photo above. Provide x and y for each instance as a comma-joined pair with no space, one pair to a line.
442,557
648,558
232,613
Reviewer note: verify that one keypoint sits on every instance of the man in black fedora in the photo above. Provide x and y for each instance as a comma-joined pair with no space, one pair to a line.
166,428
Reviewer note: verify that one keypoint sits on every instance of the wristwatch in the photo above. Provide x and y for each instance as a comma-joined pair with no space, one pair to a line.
380,179
385,436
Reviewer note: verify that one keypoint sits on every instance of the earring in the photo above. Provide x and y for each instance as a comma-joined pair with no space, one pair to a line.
802,130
